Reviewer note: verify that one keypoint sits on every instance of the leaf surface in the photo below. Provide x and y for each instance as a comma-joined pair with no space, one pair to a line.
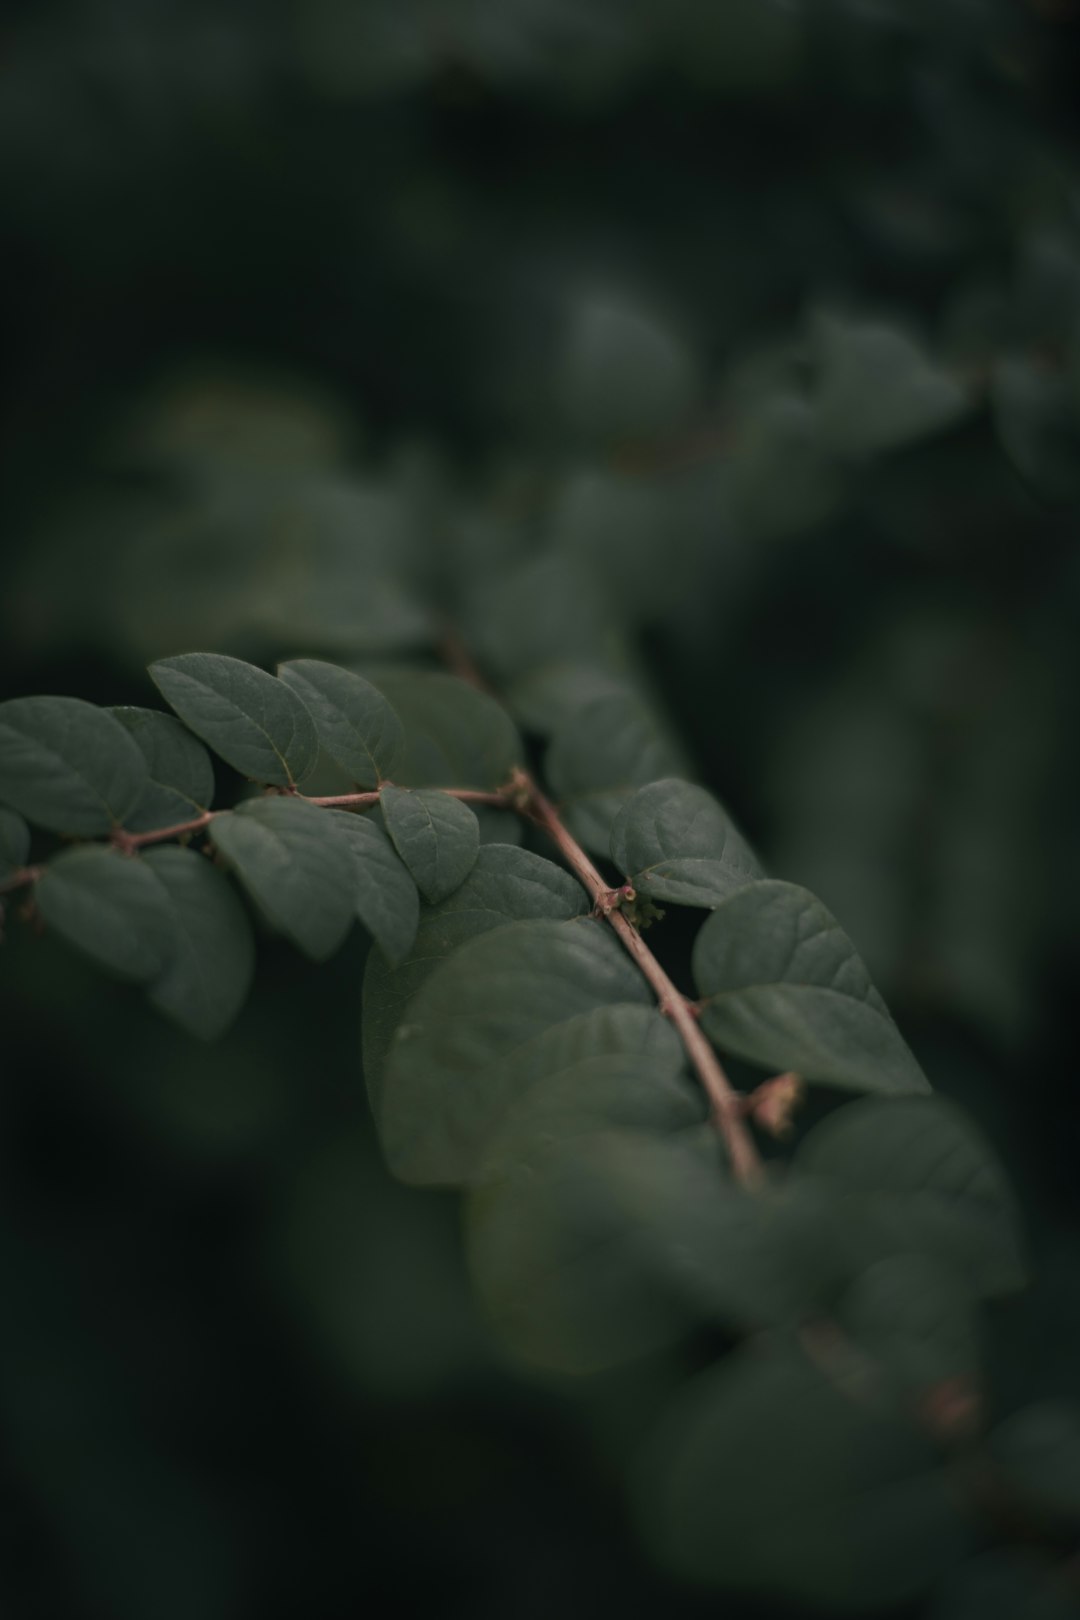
180,781
356,725
68,765
436,836
111,907
256,723
386,899
600,756
674,842
295,863
783,986
208,974
455,736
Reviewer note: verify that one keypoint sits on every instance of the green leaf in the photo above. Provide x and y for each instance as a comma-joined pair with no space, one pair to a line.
547,698
624,378
506,885
913,1316
1005,1584
674,842
67,765
14,842
449,1078
878,388
917,1176
1038,1448
784,987
386,899
208,975
548,609
455,736
600,756
356,725
256,723
181,777
112,908
436,836
297,866
1037,422
767,1477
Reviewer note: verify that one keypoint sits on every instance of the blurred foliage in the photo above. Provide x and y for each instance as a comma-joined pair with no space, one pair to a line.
731,351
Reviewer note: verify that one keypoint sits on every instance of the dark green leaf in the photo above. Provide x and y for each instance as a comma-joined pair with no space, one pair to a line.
768,1477
878,388
181,784
296,865
1037,423
919,1177
624,378
256,723
67,765
14,842
600,756
448,1079
386,899
455,736
1006,1584
208,975
1038,1448
436,836
356,725
111,907
913,1316
549,609
784,987
674,842
506,885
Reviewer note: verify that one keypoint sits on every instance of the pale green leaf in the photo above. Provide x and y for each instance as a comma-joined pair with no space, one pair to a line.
768,1477
112,908
918,1176
181,776
454,1066
386,899
207,976
783,986
256,723
674,842
296,865
356,725
600,756
436,836
506,885
67,765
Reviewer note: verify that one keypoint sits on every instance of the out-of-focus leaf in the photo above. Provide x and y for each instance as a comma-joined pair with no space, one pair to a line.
623,377
110,907
599,756
674,842
455,736
878,388
913,1316
209,970
1038,1448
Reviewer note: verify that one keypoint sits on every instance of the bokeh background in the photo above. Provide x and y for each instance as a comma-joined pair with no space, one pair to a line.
298,294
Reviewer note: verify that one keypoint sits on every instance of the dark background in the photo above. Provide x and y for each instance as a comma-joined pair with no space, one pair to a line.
240,1370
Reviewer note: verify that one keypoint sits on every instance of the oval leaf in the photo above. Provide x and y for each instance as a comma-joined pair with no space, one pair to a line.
600,756
256,723
919,1177
783,986
455,736
209,972
436,836
506,885
68,765
386,899
674,842
110,907
448,1080
356,725
297,867
845,1507
181,776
